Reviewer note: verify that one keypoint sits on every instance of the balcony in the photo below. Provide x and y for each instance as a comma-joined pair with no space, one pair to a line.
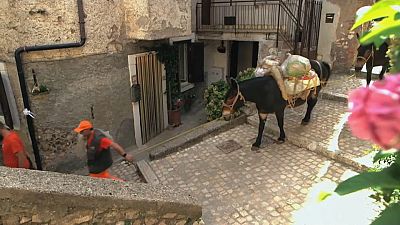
295,22
242,16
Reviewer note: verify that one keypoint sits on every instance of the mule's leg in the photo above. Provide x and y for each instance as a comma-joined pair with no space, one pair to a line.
261,125
279,117
369,73
311,101
383,71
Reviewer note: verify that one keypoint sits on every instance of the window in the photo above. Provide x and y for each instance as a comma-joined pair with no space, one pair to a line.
183,67
183,71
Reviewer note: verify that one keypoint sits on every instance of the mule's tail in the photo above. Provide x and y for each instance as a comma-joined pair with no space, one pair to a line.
328,67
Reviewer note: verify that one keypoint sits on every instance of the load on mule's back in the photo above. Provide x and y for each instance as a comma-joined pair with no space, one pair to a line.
272,91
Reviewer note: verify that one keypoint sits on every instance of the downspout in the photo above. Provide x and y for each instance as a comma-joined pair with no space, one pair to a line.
22,82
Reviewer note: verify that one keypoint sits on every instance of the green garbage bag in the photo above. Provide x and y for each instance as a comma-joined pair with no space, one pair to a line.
295,66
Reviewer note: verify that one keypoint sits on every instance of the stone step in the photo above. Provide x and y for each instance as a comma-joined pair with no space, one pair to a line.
126,171
193,136
326,134
333,96
147,172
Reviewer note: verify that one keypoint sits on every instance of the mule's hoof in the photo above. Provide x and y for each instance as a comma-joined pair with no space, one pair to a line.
303,122
280,141
255,144
255,148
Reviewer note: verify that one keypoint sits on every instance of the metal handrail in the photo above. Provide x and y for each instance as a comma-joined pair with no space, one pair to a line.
245,14
285,23
242,1
296,24
287,10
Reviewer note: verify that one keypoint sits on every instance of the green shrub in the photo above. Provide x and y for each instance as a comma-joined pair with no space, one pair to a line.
214,95
246,74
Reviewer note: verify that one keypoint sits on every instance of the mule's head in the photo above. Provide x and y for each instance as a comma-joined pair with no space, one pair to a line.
233,100
364,52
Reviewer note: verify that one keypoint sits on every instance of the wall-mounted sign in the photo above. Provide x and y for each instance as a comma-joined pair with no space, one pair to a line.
329,17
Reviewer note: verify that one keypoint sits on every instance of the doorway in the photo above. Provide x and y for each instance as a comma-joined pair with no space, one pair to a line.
243,55
4,106
149,100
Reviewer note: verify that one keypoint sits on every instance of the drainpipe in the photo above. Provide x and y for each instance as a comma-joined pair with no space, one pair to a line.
21,75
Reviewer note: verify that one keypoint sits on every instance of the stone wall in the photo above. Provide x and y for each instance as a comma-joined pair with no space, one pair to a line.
94,87
49,22
342,44
89,82
36,197
110,24
150,19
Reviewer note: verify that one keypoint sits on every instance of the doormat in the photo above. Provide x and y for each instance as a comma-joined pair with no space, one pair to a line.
229,146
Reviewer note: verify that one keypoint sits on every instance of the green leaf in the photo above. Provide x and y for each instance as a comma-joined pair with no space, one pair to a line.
380,9
382,155
381,31
381,179
323,195
389,216
361,11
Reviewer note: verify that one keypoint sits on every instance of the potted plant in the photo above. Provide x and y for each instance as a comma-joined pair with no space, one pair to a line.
168,55
188,101
174,114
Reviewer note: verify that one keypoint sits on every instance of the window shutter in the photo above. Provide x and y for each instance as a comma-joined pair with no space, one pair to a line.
196,62
205,12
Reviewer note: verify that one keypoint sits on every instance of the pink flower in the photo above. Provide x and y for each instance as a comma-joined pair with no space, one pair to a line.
375,112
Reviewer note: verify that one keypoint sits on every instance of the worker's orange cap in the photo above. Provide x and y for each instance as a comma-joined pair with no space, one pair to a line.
83,125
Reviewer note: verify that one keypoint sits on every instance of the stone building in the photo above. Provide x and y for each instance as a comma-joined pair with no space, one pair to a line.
338,45
96,80
91,81
249,30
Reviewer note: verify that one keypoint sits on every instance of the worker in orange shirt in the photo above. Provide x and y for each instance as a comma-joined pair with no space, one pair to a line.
98,148
14,154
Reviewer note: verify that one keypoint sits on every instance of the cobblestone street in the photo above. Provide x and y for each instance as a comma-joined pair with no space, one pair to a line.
244,187
239,186
152,112
327,128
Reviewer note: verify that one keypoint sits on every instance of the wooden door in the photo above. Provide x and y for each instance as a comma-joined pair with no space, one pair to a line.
150,113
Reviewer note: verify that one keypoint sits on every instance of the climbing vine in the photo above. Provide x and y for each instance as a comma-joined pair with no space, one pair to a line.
168,55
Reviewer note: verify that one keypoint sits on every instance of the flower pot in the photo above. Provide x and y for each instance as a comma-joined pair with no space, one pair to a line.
174,117
187,105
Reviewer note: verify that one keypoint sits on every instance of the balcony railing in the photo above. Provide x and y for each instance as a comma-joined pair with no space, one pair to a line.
238,16
295,22
266,17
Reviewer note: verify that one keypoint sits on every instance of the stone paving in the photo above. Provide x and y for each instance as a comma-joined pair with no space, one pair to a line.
328,121
349,145
343,83
245,187
327,127
126,171
122,169
238,186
